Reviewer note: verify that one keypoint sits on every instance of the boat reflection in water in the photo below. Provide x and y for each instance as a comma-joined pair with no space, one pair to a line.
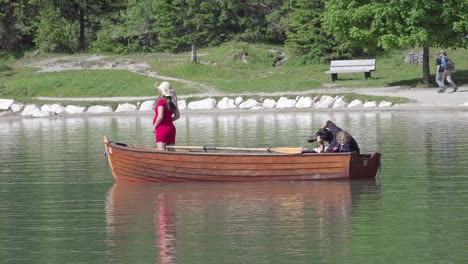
157,222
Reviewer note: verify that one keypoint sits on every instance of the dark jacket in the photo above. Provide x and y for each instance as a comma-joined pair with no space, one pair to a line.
335,146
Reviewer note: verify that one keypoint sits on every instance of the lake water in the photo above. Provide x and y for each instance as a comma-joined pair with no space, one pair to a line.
59,204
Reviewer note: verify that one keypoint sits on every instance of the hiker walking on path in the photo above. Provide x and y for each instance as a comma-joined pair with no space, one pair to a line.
444,71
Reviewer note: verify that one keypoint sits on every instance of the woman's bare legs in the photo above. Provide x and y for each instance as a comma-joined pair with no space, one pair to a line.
161,145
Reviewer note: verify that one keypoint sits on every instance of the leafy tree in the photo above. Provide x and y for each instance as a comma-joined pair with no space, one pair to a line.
200,22
306,36
85,14
139,24
7,25
259,20
129,30
169,25
166,25
54,32
392,24
182,23
15,24
277,21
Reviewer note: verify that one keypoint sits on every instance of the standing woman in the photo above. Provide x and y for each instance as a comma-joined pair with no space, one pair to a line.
166,112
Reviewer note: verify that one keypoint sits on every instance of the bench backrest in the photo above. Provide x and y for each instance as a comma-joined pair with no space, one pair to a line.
338,63
358,65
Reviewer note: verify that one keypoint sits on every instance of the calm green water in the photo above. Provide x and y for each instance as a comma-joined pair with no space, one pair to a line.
59,204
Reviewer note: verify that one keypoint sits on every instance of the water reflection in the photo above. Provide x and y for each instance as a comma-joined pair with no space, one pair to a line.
195,219
55,183
165,230
235,129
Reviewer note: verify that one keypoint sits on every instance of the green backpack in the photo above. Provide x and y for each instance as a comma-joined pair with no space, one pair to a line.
449,64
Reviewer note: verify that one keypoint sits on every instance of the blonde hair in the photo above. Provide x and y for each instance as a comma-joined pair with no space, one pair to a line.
343,137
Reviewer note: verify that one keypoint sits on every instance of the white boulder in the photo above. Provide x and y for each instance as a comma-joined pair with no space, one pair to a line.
53,108
238,100
39,113
96,109
182,104
147,105
248,104
284,102
73,109
304,102
29,110
385,104
16,107
339,103
126,107
258,107
206,104
355,103
5,104
34,111
226,103
269,103
325,102
370,104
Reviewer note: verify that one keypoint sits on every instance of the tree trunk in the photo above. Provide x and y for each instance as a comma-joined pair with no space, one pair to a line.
426,66
82,30
194,58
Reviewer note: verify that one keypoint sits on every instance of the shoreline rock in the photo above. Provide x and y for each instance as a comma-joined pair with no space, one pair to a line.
226,103
421,100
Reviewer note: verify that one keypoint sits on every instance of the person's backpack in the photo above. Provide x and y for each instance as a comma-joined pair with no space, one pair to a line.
449,64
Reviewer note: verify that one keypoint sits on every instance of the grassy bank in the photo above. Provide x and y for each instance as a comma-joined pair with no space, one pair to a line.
219,69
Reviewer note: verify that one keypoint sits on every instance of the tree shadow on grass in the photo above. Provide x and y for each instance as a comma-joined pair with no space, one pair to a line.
460,78
408,83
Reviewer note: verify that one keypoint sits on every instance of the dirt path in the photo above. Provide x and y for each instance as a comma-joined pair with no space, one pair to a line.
95,62
423,97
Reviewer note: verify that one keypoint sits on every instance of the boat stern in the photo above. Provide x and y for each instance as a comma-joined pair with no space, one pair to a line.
364,165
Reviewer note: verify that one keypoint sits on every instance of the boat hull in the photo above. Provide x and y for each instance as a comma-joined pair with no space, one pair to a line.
141,164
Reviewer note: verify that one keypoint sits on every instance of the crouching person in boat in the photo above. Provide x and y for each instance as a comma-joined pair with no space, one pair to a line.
338,140
165,113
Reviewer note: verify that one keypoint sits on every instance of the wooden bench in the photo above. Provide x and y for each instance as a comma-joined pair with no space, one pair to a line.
348,66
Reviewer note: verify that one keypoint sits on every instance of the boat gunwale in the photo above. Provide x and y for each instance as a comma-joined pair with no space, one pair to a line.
136,148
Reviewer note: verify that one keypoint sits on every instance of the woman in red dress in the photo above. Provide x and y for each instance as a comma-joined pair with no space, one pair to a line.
166,112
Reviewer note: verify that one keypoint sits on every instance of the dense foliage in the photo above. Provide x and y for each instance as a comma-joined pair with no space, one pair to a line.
353,28
393,24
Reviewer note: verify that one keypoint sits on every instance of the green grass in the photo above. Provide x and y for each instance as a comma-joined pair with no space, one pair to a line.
28,82
219,67
4,68
223,69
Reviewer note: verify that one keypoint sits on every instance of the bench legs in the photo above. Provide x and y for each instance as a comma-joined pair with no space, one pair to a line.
334,76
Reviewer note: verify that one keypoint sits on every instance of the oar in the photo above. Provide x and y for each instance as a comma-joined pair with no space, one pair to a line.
206,148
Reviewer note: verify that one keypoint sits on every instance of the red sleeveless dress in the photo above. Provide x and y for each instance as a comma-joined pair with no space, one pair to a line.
166,131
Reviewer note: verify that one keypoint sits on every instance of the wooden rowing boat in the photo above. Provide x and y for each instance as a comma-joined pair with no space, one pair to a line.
191,163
